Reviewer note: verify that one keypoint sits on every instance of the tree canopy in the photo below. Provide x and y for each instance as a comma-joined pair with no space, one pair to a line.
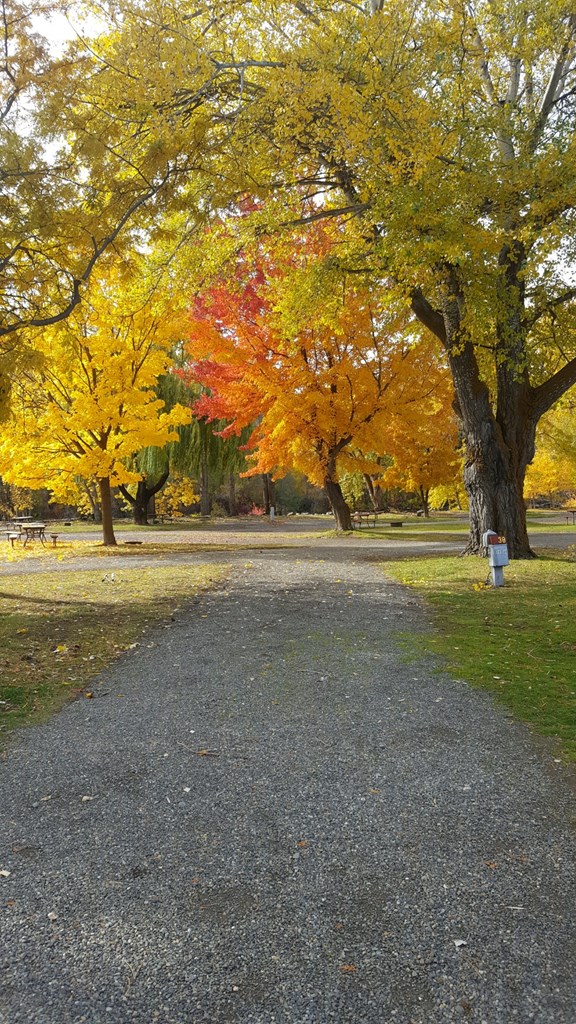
318,362
440,136
86,404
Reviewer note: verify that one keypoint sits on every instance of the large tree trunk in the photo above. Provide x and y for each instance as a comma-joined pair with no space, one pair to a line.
338,505
105,492
498,446
141,500
497,455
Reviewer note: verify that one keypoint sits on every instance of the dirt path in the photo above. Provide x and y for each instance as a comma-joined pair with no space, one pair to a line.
271,816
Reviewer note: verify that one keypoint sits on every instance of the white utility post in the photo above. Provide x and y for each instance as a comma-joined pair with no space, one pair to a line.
497,556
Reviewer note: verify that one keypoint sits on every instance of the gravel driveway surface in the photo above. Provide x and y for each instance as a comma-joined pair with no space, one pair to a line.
270,816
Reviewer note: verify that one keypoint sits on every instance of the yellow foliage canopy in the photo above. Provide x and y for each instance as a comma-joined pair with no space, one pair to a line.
86,404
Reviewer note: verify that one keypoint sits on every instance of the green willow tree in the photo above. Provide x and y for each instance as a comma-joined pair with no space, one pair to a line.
199,452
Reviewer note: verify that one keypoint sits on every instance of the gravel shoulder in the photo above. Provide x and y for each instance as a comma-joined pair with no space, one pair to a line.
270,814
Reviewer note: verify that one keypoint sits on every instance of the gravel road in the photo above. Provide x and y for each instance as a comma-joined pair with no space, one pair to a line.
269,815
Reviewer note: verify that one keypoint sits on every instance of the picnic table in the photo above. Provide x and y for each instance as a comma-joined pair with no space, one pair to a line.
370,518
33,531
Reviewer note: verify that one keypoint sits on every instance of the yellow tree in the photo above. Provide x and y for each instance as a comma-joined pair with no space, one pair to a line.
87,404
553,471
424,448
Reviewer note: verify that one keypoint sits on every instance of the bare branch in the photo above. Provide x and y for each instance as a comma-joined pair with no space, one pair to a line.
427,315
550,391
341,211
556,82
550,305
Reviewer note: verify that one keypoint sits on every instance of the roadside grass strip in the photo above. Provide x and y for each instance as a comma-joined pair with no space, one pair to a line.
518,641
58,629
75,549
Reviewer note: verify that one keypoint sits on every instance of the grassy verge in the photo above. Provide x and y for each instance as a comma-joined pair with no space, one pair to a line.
57,629
450,532
74,549
518,641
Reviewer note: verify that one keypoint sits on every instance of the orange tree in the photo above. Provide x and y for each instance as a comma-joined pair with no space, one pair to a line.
315,360
425,449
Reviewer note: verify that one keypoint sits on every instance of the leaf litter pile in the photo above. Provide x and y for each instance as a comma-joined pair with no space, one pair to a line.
58,629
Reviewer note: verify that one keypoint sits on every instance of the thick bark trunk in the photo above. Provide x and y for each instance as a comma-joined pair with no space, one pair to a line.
141,514
105,492
497,455
338,505
140,502
498,446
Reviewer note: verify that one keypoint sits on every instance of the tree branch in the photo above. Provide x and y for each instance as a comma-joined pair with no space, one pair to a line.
550,391
428,316
559,72
99,249
559,300
328,212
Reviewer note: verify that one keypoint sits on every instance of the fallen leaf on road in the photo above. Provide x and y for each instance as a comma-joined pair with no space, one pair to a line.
348,968
459,943
5,874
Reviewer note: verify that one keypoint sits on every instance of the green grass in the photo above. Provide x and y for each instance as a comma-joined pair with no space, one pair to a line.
447,530
518,641
57,629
